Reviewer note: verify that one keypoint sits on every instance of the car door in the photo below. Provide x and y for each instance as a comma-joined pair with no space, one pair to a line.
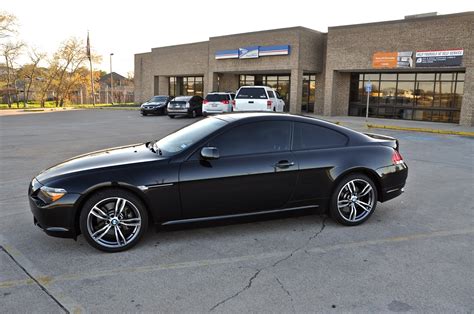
256,171
317,150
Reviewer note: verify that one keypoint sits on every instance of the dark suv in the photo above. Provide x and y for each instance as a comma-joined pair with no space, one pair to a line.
190,106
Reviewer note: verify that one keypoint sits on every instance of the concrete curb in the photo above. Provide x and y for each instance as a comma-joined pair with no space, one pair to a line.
437,131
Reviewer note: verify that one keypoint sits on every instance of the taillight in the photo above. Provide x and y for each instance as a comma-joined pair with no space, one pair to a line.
205,101
233,103
269,104
225,102
397,158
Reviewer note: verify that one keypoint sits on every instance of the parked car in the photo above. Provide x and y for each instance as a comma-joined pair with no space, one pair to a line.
156,105
190,106
258,98
220,167
217,102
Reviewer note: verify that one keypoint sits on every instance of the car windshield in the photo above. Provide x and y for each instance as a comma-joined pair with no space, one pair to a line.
158,99
187,136
252,93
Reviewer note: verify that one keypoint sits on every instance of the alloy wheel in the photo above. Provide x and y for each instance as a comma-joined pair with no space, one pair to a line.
356,200
114,222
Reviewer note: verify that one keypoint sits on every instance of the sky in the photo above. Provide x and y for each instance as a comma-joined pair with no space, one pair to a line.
125,28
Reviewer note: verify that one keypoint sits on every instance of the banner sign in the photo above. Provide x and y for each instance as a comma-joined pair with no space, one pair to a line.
253,52
248,52
439,58
390,60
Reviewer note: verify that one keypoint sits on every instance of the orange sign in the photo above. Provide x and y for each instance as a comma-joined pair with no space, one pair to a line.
384,60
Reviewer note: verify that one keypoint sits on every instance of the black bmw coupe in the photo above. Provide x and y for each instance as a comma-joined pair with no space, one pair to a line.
220,167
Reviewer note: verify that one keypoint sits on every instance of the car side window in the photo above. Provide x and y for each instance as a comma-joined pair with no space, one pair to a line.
254,138
271,94
310,136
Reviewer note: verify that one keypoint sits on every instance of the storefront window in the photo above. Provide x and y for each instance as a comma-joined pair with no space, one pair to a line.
309,93
417,96
186,86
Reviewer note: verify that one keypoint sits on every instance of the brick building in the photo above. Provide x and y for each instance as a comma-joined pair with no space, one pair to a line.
418,68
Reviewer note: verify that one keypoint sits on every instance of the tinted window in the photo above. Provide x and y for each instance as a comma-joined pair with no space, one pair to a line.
185,137
254,138
252,93
217,97
271,94
310,136
182,98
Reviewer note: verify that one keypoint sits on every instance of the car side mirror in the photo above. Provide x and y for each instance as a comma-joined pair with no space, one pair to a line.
210,153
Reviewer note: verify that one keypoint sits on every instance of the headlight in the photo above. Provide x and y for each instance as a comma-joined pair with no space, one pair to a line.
187,105
52,194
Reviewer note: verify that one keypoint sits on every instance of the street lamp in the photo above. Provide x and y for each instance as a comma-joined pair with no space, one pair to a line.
111,81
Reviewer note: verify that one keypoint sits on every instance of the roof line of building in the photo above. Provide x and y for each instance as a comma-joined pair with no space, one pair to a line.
406,20
271,31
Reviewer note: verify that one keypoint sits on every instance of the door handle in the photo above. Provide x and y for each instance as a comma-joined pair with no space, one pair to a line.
250,101
284,164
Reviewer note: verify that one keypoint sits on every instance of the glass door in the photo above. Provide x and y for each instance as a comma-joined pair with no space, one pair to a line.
309,93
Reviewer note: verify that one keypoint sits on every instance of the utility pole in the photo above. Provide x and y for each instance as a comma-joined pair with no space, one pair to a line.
111,81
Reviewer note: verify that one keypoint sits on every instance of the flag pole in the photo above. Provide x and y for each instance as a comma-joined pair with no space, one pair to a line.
91,70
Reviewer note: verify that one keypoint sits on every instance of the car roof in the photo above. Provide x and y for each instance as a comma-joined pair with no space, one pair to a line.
178,98
160,96
256,86
237,117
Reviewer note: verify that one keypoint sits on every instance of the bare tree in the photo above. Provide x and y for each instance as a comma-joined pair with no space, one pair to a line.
10,51
29,72
7,24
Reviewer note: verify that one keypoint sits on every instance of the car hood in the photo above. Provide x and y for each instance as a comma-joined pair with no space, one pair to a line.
117,156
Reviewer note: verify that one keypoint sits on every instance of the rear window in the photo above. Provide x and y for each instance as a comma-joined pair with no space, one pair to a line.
217,97
251,93
178,102
310,136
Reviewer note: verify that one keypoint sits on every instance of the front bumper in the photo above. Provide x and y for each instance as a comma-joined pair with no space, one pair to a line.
153,110
58,218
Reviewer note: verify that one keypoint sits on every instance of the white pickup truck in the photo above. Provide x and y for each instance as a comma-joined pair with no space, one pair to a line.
258,98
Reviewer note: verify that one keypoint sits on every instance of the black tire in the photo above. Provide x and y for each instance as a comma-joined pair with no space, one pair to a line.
204,113
144,114
104,200
171,117
342,192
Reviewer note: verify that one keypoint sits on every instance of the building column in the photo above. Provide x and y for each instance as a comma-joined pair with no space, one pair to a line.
467,106
210,83
296,90
163,85
336,93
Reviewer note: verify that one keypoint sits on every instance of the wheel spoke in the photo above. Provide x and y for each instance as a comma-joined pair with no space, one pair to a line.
105,229
366,190
132,222
119,206
364,206
353,214
343,203
97,212
121,234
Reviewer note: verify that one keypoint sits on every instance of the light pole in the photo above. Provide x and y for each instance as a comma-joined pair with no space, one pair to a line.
111,81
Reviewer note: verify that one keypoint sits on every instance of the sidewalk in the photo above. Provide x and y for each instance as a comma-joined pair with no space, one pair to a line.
403,125
14,112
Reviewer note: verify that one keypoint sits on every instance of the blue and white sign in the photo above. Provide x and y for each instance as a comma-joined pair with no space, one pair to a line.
227,54
248,52
368,87
253,52
282,50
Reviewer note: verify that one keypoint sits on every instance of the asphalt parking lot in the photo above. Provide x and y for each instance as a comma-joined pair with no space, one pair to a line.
415,254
